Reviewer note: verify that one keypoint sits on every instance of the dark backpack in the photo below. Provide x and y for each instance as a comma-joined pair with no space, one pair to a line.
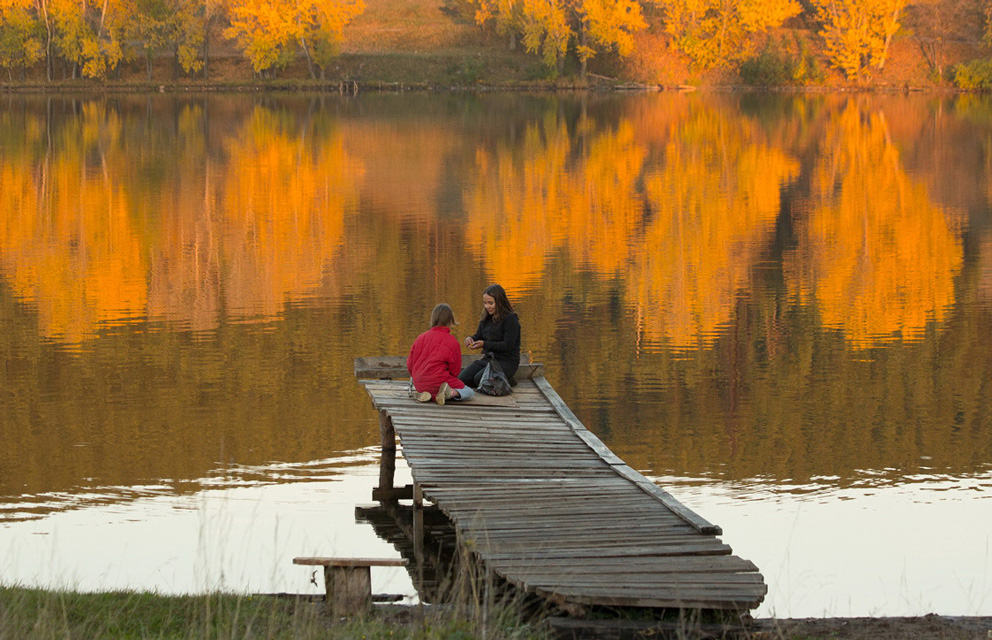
494,382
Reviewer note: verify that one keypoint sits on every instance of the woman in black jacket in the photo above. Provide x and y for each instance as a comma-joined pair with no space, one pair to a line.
498,333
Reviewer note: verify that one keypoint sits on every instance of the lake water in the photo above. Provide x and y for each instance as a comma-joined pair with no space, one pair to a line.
778,307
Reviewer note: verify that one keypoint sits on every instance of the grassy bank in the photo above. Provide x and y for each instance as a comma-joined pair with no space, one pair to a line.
31,614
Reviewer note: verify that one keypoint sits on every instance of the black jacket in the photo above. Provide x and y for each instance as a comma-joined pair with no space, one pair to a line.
501,338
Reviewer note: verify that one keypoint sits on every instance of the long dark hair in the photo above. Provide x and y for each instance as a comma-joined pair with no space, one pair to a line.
503,306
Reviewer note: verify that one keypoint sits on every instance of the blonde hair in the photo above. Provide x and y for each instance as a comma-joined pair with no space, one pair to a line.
442,316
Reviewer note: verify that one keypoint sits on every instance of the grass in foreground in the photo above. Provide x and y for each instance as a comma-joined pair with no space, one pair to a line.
36,614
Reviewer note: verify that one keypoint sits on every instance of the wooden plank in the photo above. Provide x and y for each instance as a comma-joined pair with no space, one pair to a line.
350,562
668,564
673,601
391,367
592,551
703,525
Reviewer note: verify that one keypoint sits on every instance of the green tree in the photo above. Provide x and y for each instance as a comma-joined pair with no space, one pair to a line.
147,26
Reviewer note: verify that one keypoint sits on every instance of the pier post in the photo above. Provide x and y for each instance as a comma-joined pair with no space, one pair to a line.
386,431
387,470
418,532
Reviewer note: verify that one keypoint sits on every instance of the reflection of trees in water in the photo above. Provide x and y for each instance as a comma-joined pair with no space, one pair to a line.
615,224
877,257
243,234
682,227
714,200
70,243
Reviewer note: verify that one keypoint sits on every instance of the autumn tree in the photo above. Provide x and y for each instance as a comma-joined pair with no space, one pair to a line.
857,33
263,30
88,35
148,27
189,24
20,37
266,30
606,24
551,28
715,33
321,26
505,16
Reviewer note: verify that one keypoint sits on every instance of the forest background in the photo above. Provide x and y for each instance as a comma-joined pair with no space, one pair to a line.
895,44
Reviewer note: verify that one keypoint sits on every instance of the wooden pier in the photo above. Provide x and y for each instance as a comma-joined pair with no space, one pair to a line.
544,504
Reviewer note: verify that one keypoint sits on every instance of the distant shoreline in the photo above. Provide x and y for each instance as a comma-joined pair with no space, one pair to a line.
352,87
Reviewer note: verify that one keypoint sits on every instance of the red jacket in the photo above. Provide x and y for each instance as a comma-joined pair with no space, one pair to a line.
435,357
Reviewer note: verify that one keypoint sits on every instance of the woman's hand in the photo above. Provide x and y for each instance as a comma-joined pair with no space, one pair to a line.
473,344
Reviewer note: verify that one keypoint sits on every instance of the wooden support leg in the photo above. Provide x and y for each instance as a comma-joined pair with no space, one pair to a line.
349,590
387,468
418,532
386,432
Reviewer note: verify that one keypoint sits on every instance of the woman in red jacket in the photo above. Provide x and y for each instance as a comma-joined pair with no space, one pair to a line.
435,361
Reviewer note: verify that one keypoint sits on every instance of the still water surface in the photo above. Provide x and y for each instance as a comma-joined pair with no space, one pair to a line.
776,306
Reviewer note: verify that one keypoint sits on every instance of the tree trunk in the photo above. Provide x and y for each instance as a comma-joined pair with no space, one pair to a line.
890,32
149,53
43,9
583,58
306,52
206,47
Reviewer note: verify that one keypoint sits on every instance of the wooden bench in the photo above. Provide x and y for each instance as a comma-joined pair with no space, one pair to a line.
348,581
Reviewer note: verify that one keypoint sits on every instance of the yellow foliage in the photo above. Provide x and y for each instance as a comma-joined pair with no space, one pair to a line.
20,43
718,32
263,29
612,23
547,27
857,33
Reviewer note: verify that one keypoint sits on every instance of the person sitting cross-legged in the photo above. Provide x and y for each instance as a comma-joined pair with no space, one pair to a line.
435,361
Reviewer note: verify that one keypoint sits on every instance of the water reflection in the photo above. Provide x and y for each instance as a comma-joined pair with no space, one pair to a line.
874,250
733,288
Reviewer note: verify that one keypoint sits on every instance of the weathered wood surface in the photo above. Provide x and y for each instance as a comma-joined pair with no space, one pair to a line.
348,581
545,504
393,367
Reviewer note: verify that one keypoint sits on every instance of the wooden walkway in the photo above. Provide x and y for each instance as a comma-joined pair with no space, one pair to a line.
546,505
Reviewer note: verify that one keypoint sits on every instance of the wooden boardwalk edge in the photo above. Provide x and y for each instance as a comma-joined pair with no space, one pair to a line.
643,482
